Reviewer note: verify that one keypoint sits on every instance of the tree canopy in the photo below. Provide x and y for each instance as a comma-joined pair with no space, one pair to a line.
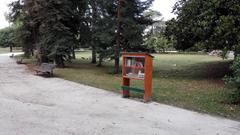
56,27
7,37
215,23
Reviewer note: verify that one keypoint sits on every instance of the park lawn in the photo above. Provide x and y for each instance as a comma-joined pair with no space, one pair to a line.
193,82
4,50
7,50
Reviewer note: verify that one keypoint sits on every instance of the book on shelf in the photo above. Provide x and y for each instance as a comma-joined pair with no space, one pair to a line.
129,62
133,75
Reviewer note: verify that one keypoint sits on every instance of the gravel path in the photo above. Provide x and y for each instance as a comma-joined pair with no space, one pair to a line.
32,105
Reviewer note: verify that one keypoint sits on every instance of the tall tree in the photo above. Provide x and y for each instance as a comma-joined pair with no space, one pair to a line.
50,26
105,29
8,37
56,31
131,26
211,22
88,25
56,27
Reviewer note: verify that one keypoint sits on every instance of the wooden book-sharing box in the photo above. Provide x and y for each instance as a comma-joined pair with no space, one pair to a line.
137,66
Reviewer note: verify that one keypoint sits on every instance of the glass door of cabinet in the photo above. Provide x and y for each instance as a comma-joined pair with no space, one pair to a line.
134,67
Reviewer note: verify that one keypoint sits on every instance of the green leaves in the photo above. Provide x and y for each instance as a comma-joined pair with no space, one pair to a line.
234,81
8,37
212,22
159,43
133,24
55,27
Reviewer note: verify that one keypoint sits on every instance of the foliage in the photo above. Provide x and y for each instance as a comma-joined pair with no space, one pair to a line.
234,81
56,27
48,27
20,17
197,47
158,25
211,22
6,37
9,37
56,36
159,43
155,40
103,28
15,13
133,23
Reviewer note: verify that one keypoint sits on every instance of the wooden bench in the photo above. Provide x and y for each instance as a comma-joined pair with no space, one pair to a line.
19,61
45,69
11,56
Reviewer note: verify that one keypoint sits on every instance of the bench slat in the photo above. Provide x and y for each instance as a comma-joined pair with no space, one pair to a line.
45,68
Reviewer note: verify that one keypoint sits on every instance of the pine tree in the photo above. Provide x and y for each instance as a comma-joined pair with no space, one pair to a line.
56,27
131,26
57,37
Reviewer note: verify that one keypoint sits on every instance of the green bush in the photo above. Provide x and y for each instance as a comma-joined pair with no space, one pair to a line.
159,43
234,81
9,37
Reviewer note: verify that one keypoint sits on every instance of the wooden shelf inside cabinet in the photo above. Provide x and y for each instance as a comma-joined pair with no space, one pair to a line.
134,78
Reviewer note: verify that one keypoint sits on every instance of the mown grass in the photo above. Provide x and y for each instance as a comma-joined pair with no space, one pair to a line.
189,81
7,50
4,50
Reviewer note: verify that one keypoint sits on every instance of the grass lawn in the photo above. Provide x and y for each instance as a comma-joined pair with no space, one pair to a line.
189,81
4,50
7,50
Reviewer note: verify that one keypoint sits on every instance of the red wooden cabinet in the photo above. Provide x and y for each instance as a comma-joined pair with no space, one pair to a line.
137,66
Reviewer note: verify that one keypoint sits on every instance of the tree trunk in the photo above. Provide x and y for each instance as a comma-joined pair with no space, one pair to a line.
117,47
73,53
11,48
44,59
100,60
39,59
27,52
38,54
94,55
117,64
59,61
32,52
93,23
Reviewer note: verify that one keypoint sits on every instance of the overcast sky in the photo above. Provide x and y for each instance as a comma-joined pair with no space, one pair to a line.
164,6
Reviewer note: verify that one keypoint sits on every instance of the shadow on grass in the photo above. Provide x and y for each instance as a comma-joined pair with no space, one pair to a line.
205,70
106,68
209,70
